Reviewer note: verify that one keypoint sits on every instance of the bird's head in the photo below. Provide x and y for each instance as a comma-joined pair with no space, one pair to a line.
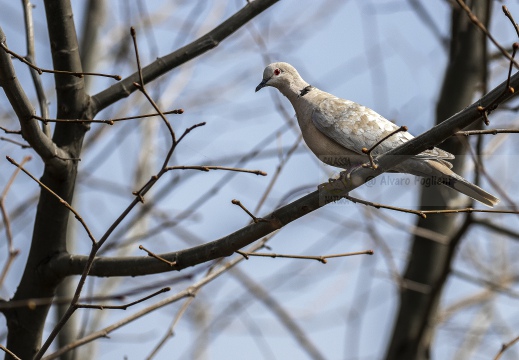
279,75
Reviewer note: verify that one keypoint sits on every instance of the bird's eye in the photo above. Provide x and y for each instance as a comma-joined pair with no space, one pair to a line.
277,72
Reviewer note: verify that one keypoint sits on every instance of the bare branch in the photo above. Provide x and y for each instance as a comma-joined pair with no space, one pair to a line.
122,307
486,132
31,57
22,145
211,167
170,332
254,218
63,72
42,144
469,211
497,228
511,18
109,121
227,245
482,27
321,258
505,347
274,178
158,257
7,131
370,150
7,351
11,251
63,202
189,292
142,88
382,206
164,64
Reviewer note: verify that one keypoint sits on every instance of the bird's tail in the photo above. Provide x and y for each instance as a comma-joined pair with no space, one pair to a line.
444,175
460,184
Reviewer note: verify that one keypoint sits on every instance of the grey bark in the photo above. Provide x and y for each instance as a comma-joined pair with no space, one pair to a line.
429,261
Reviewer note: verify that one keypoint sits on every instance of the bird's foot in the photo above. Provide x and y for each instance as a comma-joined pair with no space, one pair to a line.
340,183
345,176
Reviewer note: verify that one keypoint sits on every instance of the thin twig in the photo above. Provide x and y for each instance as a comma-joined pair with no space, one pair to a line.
481,171
494,287
40,70
274,178
141,87
211,167
321,259
122,307
497,228
490,107
484,112
170,332
13,304
63,202
7,131
158,257
9,352
469,210
481,26
22,145
140,193
254,218
505,347
382,206
186,53
369,151
188,292
31,57
514,51
11,251
486,132
424,213
24,110
189,129
510,17
108,121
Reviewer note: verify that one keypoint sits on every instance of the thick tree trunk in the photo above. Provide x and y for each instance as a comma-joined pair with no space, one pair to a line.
429,261
26,323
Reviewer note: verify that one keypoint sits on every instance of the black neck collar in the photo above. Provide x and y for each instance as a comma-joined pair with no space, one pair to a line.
305,90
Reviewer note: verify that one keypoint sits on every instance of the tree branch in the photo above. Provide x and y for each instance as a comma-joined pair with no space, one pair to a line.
31,57
23,108
67,264
72,101
164,64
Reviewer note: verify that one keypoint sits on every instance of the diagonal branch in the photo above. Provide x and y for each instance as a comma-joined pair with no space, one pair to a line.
186,293
483,28
61,201
164,64
67,265
40,70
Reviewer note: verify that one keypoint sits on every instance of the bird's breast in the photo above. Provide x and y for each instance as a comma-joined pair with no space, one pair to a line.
327,150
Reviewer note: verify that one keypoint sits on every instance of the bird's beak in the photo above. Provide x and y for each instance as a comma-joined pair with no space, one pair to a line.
261,85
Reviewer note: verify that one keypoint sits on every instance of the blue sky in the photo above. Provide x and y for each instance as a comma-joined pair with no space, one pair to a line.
375,52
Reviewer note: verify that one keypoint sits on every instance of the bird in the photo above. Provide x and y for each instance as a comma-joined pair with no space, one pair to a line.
336,131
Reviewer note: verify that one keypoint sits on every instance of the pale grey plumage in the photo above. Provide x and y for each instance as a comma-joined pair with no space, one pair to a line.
336,130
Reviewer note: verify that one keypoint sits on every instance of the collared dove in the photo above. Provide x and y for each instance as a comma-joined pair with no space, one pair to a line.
336,130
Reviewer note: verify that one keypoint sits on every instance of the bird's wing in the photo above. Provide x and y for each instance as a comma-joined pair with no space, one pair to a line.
355,126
